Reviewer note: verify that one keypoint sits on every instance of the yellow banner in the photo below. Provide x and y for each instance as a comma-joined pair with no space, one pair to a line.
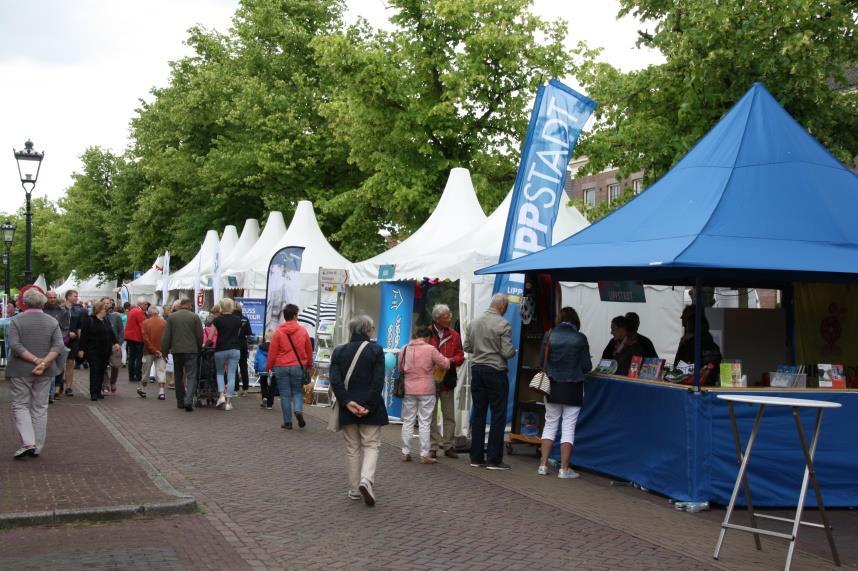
826,322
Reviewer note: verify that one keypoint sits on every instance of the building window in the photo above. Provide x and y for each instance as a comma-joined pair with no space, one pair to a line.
590,196
637,185
613,192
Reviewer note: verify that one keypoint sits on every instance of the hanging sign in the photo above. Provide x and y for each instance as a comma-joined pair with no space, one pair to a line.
385,271
283,285
254,311
622,291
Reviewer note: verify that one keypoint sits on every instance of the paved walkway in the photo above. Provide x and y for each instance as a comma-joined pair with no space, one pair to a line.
276,499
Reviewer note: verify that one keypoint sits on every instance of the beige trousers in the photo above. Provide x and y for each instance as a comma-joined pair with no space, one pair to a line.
30,409
362,443
448,420
160,368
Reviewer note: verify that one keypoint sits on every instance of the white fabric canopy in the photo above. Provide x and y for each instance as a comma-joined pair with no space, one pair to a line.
318,253
41,283
249,237
458,212
70,283
149,283
227,245
184,278
251,270
90,289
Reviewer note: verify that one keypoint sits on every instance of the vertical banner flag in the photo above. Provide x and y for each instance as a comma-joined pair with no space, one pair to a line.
559,114
217,291
283,285
165,278
198,304
254,311
394,332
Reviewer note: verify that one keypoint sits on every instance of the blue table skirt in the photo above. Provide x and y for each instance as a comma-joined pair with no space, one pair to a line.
680,443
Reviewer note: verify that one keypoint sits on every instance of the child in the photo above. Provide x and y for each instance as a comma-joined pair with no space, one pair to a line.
267,385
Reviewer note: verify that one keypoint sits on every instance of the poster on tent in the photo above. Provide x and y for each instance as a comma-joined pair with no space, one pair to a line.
394,332
254,311
283,285
559,114
165,279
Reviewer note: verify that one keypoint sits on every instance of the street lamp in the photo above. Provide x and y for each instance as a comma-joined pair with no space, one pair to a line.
29,163
8,231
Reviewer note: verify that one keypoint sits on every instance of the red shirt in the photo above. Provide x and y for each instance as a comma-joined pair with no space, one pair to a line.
134,325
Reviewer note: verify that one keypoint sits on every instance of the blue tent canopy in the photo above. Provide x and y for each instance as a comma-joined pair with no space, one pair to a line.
758,201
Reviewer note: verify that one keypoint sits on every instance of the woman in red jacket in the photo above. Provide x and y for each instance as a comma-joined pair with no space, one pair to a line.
290,357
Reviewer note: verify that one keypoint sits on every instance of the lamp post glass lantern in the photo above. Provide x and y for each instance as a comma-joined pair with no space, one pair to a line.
8,231
29,163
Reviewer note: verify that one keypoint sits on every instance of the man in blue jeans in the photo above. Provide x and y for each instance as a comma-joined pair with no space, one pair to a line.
489,342
290,357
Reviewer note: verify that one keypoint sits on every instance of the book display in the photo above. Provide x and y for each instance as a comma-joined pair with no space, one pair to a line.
635,366
652,369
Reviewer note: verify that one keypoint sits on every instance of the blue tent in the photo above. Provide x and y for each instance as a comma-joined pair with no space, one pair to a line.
758,201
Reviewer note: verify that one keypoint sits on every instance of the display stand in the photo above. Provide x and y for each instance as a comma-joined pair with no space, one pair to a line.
322,363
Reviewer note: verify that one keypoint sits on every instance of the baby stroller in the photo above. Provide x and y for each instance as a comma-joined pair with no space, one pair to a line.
206,381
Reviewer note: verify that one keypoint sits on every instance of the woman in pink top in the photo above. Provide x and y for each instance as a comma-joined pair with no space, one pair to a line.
418,360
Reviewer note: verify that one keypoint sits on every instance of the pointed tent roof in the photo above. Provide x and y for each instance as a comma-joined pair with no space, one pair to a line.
41,283
757,201
227,243
185,277
252,268
95,287
70,283
249,236
457,213
149,282
304,231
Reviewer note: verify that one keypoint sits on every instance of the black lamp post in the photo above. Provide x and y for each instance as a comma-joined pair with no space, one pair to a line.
29,163
8,231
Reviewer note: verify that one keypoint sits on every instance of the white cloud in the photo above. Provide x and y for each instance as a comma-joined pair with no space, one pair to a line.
72,72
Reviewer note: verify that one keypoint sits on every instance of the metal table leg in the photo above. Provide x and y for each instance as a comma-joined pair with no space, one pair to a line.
810,475
741,478
747,487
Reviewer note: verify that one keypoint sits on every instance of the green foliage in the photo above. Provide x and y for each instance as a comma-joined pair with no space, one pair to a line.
45,216
596,212
450,87
714,51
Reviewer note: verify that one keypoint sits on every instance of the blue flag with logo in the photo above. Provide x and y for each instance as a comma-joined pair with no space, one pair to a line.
559,114
394,332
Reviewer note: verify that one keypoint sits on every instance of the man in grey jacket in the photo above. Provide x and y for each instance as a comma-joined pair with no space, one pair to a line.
183,337
489,342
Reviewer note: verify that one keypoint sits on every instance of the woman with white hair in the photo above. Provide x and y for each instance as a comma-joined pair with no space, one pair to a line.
35,343
357,378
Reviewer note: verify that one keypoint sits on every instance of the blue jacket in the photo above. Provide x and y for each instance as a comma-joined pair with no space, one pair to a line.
260,358
569,354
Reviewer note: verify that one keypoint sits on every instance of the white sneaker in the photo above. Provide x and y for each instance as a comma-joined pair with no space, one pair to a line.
365,489
568,474
228,406
221,400
355,496
542,471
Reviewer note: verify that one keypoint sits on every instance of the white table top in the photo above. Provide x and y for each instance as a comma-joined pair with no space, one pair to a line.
780,401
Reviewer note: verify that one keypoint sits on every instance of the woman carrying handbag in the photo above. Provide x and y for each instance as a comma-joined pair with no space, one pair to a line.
567,360
357,379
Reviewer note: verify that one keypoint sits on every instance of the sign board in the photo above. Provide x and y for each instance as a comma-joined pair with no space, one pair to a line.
254,311
201,299
622,291
232,281
136,275
124,295
386,271
333,277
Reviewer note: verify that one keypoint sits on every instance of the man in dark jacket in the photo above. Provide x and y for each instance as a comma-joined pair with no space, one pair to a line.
244,352
362,411
183,337
63,317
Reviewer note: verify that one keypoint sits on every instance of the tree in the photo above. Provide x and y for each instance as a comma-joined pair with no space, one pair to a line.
45,217
714,52
451,86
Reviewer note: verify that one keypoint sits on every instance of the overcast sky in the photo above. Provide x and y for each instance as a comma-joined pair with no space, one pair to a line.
72,71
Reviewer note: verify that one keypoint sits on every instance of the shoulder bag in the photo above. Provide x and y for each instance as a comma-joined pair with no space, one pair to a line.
334,420
305,378
540,381
399,376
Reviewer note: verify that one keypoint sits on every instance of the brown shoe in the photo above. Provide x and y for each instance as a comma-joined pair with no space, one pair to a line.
428,460
433,453
405,457
451,453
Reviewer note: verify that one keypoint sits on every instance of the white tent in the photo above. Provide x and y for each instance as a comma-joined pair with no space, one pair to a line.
149,284
251,271
457,214
318,253
185,277
228,241
248,238
41,283
70,283
90,289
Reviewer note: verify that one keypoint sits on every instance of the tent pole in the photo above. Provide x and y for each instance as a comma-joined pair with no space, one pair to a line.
698,331
788,303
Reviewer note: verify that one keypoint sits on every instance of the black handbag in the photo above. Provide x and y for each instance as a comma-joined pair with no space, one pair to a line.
305,378
399,376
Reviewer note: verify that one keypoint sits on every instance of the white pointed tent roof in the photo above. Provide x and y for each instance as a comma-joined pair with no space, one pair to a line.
95,287
70,283
227,245
252,269
149,282
304,231
184,278
458,212
40,282
249,236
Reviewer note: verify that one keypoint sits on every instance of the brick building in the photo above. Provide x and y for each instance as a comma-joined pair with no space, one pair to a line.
596,188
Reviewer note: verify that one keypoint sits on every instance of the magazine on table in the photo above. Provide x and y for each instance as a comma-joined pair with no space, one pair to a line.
635,366
652,369
831,376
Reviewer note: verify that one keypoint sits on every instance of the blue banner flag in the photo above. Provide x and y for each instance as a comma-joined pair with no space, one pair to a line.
283,285
559,114
394,332
254,311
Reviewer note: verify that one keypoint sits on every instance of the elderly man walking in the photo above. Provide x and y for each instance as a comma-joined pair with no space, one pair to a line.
183,337
489,342
134,339
448,341
153,331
